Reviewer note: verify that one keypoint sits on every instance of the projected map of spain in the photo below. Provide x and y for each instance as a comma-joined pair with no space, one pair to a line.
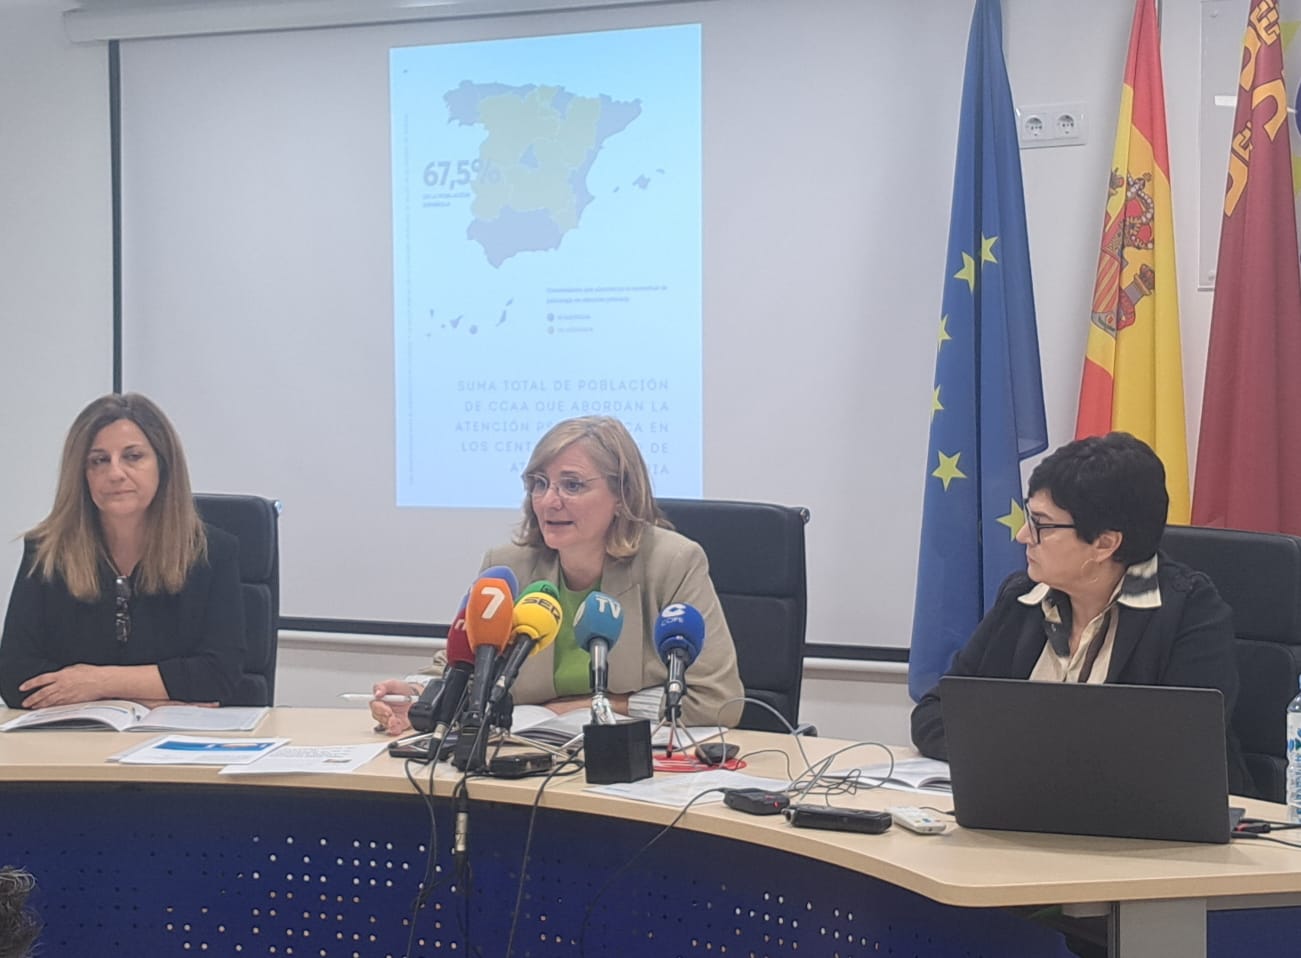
546,254
531,188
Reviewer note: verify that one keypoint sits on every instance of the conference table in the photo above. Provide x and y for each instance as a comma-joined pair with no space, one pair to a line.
149,860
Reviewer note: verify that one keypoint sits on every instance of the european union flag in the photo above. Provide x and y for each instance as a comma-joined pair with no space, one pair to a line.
987,411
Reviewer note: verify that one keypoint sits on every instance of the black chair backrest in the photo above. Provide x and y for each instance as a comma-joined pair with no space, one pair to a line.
254,521
756,561
1259,575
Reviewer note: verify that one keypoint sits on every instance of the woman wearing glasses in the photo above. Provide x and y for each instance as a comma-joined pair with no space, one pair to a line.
123,592
590,523
1097,603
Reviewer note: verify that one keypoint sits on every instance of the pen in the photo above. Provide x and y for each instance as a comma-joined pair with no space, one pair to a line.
369,697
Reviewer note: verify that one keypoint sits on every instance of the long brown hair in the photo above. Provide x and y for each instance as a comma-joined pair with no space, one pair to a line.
69,541
616,455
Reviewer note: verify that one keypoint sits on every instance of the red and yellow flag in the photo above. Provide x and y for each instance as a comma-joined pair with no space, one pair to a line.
1133,367
1249,455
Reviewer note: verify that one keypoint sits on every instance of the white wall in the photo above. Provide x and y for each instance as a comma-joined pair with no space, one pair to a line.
55,253
55,270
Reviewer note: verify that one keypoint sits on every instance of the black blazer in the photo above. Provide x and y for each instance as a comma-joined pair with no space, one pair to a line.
1188,641
195,637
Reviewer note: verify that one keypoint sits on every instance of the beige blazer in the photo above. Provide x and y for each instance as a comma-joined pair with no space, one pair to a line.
667,568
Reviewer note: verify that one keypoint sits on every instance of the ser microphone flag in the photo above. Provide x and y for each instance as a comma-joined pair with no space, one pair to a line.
535,622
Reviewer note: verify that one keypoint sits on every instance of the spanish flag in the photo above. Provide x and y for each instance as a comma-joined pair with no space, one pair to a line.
1133,366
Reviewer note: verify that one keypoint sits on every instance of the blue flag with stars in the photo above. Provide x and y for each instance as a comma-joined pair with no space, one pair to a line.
987,410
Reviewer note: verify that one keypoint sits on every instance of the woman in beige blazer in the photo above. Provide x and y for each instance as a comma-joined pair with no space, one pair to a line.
591,523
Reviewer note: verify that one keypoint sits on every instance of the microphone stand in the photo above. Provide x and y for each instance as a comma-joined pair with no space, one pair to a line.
499,717
674,724
602,712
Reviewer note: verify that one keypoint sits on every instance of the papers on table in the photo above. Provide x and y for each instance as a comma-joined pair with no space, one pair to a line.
677,790
539,724
310,759
684,737
923,775
250,756
190,750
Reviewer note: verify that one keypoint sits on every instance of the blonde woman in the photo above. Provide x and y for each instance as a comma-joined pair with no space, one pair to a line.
123,592
591,523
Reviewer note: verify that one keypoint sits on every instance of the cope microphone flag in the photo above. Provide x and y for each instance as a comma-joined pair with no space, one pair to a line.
679,635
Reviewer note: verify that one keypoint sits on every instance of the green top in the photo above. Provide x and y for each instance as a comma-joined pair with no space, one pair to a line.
573,666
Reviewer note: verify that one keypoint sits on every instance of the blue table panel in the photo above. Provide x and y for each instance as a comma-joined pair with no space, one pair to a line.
138,870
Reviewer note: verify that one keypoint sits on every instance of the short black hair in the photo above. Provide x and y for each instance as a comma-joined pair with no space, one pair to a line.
1112,482
19,925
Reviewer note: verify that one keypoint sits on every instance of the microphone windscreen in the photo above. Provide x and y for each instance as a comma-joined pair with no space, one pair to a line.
458,646
458,640
505,574
537,616
543,586
488,615
599,617
679,628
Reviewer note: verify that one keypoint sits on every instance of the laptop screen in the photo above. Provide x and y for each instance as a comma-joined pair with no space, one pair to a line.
1132,761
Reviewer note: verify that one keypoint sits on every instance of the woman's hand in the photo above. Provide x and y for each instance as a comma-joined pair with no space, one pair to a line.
68,685
392,717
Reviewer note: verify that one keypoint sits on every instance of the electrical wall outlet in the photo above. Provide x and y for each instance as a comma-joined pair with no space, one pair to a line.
1052,124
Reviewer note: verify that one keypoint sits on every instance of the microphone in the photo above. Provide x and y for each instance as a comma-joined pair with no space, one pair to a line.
435,704
502,572
596,627
679,634
543,586
535,621
488,625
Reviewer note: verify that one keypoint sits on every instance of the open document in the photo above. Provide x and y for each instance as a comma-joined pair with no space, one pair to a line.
123,716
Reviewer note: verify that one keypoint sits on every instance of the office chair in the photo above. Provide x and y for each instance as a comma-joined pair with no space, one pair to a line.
254,522
1259,575
756,561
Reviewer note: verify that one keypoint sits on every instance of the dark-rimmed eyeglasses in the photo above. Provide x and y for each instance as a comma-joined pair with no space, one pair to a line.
1037,528
122,608
567,487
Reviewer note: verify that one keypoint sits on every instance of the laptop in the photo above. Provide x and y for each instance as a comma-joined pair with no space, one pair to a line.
1130,761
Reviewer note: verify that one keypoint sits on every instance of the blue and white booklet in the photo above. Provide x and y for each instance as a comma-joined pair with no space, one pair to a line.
192,750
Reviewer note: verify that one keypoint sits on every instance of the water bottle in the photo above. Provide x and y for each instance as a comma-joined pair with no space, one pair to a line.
1294,760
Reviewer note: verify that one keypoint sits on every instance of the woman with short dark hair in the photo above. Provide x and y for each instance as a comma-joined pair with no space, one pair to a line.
1097,603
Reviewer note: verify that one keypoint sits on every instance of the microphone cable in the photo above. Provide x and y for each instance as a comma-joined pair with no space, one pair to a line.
578,766
463,874
618,872
428,882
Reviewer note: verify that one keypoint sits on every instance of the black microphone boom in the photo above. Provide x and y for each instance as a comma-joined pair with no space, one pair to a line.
423,709
676,684
451,700
472,742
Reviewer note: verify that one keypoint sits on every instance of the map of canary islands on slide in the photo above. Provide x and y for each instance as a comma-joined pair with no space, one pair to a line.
541,142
